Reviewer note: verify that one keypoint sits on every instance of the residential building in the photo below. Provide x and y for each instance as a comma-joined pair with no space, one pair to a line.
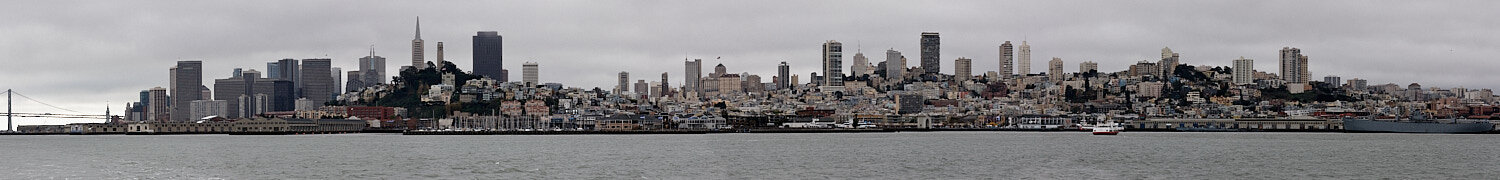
931,51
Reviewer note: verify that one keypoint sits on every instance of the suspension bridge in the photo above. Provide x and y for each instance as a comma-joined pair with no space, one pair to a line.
10,114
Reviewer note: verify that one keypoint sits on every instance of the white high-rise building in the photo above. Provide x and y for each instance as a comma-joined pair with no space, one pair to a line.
1293,66
833,63
1024,59
1244,71
529,73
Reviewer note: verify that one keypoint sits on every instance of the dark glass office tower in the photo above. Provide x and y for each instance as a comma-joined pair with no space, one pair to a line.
487,60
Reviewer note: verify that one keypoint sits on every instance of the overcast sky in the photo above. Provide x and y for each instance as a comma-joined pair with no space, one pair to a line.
82,54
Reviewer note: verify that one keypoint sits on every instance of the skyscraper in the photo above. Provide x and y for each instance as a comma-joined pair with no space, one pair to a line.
417,48
272,70
529,73
487,55
316,84
187,86
860,66
1244,71
930,52
1293,66
337,74
665,89
1025,59
694,71
371,69
642,88
624,83
157,108
783,73
1055,69
1007,57
356,81
962,68
239,93
833,63
895,64
290,70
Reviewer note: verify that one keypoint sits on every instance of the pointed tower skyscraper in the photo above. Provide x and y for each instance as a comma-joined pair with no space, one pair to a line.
417,48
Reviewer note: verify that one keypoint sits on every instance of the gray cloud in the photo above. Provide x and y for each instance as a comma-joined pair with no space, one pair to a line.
80,54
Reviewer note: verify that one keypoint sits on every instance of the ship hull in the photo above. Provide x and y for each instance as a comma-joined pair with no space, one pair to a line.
1356,125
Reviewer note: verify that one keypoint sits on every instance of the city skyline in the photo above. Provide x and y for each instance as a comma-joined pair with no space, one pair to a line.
1457,58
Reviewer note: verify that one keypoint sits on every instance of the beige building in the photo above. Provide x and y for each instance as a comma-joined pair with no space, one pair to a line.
1055,69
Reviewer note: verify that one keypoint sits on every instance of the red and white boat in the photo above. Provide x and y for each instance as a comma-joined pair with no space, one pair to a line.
1108,129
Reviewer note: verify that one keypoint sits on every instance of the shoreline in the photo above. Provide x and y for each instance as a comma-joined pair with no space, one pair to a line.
735,131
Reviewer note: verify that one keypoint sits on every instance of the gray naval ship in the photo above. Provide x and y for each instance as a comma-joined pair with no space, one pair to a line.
1418,124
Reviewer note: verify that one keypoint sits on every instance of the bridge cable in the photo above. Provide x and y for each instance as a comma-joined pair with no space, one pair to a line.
43,103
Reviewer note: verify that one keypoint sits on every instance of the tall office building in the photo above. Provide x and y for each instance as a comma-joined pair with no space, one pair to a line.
290,70
487,55
157,109
337,74
895,64
1024,60
272,70
1055,69
861,66
187,86
1244,71
1293,66
962,68
1007,60
833,63
642,88
930,52
783,73
692,74
371,69
439,61
624,83
355,83
665,89
1087,66
205,108
316,84
529,74
418,48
